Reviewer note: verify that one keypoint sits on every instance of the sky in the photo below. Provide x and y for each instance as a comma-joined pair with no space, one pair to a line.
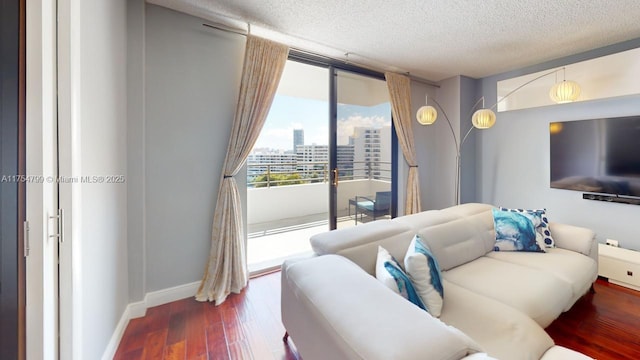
288,113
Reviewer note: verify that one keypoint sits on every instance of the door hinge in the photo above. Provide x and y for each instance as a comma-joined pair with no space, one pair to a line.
26,245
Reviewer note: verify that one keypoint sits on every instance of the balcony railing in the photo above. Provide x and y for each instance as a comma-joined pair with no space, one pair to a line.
280,174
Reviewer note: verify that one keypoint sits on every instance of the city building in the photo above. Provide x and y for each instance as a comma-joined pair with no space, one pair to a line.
298,138
260,163
372,152
312,160
344,154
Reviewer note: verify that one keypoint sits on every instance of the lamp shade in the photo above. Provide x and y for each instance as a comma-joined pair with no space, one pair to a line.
483,119
565,91
427,115
555,128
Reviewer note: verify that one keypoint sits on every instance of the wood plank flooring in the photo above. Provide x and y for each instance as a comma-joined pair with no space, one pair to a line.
604,325
245,326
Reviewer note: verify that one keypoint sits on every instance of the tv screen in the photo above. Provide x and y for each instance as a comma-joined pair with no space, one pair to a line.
599,155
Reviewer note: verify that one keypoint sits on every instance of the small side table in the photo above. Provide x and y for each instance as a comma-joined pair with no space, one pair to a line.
620,266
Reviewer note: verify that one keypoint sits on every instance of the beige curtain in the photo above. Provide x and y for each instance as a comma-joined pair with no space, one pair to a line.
400,93
226,269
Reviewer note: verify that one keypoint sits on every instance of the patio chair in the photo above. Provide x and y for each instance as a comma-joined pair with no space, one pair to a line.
374,208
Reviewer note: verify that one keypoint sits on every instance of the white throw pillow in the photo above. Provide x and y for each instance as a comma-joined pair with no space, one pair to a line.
424,272
389,272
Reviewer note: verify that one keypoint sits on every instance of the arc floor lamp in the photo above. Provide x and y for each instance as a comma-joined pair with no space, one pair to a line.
561,92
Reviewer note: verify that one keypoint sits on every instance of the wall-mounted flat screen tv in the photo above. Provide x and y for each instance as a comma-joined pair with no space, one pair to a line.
598,156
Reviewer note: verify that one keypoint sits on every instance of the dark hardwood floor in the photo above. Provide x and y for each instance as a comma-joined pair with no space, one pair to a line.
245,326
603,325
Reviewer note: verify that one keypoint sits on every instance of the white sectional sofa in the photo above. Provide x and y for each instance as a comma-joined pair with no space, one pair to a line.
496,304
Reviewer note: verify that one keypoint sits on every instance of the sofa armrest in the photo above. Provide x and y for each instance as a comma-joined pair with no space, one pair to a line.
562,353
575,238
332,309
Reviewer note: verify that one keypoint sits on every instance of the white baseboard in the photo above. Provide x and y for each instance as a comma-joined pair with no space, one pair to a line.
139,309
112,346
165,296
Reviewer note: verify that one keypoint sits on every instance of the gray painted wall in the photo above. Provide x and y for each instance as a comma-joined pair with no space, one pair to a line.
135,148
192,77
435,146
99,214
469,165
513,158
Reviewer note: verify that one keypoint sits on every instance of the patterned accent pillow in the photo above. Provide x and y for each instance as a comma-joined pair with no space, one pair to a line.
424,272
540,222
515,232
389,272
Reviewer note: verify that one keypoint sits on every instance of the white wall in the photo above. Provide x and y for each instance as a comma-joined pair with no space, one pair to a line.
192,77
99,214
514,158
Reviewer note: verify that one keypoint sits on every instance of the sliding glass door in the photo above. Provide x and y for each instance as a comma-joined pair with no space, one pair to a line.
323,161
361,156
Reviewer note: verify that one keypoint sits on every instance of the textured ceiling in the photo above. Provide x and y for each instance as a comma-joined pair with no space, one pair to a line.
433,39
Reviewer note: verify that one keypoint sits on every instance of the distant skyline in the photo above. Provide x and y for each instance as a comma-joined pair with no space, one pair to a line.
288,113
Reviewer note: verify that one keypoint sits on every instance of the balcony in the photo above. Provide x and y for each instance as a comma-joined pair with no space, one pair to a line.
284,209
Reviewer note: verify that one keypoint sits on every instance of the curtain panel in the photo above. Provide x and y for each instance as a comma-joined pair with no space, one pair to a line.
400,94
226,271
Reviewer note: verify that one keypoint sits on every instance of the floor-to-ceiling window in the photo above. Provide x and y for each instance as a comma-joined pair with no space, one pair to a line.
323,161
288,169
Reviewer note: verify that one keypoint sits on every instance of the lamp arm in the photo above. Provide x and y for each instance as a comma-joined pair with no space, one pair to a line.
525,84
466,136
474,106
453,133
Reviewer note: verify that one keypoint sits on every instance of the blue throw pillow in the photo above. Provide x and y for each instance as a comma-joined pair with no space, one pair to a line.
389,272
515,232
540,222
424,272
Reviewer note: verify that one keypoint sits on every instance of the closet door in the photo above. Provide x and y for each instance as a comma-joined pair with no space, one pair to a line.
42,209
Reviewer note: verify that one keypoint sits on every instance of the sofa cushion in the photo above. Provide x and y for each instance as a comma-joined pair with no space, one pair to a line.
360,243
540,222
334,310
426,218
537,294
459,241
503,332
515,232
424,272
391,274
578,270
468,209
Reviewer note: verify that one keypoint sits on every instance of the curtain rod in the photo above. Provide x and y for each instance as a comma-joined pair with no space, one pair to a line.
245,33
227,29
